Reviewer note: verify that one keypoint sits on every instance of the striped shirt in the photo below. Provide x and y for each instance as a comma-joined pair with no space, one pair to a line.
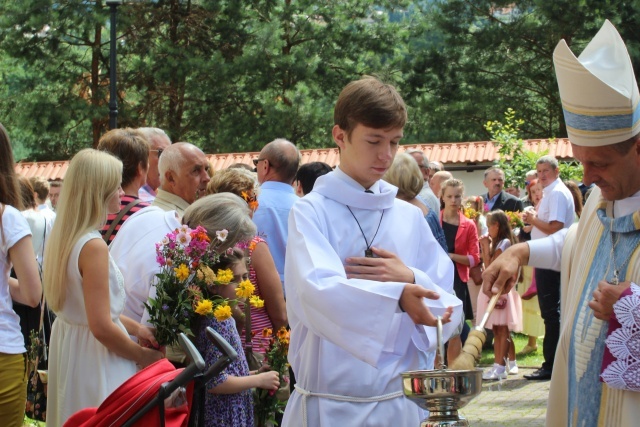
124,201
259,317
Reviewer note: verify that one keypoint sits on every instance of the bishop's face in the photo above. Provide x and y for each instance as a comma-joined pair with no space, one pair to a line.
367,153
615,174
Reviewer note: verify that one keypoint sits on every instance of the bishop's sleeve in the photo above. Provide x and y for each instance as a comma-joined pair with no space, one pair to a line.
547,252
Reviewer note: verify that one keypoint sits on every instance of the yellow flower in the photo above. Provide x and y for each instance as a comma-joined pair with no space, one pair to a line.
255,301
245,289
182,272
204,307
222,312
224,276
206,274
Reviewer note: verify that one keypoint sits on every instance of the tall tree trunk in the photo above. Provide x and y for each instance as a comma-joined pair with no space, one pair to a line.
96,122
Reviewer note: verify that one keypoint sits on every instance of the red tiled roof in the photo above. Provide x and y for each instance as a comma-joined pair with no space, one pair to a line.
455,153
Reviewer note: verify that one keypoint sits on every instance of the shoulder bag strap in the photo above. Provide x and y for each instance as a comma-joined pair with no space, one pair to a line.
119,217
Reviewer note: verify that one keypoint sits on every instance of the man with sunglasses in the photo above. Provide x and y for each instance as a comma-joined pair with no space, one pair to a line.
276,166
158,142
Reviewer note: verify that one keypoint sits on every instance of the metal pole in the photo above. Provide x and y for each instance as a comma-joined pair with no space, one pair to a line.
113,97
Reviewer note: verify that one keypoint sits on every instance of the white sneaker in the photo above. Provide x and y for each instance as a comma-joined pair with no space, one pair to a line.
497,372
513,367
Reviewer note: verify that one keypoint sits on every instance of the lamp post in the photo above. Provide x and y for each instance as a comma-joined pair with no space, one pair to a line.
113,97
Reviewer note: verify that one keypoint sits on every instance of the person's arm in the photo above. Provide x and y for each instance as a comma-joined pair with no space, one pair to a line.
384,267
93,264
26,289
502,274
270,286
232,385
546,227
485,245
143,333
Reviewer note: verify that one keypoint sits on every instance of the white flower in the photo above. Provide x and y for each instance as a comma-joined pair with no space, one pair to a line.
184,228
165,241
183,238
222,235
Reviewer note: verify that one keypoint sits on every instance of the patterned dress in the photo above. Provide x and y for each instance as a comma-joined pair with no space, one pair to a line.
259,317
225,410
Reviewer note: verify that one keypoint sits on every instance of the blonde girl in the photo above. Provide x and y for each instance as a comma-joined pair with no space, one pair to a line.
91,353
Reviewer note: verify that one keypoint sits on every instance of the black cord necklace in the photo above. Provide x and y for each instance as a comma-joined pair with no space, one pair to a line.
368,252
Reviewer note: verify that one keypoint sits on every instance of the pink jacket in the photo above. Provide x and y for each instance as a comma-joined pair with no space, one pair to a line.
466,244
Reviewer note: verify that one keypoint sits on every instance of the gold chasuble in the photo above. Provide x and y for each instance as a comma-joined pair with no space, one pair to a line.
577,396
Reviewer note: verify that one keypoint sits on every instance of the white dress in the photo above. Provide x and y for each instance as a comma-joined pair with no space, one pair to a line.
82,371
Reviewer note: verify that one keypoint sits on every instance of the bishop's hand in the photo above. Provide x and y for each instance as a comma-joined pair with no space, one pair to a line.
605,297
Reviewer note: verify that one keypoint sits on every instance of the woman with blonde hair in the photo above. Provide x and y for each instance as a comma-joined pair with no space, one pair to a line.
405,174
15,251
91,353
262,270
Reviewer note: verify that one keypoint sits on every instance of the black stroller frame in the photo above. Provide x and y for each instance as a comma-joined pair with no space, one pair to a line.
201,379
193,372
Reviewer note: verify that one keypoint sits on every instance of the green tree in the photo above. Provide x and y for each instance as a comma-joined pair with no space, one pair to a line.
55,75
476,58
514,159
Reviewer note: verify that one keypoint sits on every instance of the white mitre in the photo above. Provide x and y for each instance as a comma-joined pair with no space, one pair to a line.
598,90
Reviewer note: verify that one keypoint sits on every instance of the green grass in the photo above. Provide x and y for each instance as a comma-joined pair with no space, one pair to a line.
28,422
533,360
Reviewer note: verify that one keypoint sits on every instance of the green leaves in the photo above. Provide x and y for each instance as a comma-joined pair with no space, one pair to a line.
514,159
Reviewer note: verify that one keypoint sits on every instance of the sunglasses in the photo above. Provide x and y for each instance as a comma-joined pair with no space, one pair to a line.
256,161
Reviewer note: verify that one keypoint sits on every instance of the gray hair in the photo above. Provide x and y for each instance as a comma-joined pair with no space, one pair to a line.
548,160
493,169
425,159
151,132
436,165
173,158
222,211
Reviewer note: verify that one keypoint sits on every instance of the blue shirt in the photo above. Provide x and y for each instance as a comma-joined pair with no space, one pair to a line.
489,202
272,216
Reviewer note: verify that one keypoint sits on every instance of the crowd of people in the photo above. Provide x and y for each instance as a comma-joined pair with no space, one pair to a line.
359,262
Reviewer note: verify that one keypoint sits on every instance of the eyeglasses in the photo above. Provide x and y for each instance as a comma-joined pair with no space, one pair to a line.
256,161
159,152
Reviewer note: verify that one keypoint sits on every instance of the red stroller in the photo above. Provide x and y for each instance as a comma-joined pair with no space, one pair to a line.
153,396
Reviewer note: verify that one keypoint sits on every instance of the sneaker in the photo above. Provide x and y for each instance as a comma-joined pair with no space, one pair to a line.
497,372
513,367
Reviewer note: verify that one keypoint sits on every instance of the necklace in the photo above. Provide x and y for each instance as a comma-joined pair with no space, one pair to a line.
368,252
615,280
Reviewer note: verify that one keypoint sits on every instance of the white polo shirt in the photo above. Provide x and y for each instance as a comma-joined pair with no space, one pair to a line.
556,205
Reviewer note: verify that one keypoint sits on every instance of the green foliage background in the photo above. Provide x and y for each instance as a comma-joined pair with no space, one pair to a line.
231,75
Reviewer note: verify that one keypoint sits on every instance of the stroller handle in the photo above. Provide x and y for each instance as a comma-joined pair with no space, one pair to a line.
194,368
228,355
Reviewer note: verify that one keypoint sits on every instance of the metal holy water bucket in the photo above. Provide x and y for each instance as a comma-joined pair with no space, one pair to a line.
442,392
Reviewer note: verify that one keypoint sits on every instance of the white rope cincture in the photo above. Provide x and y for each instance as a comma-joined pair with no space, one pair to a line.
341,398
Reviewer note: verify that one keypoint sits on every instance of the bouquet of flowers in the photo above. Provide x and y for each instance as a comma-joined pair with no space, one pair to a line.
515,221
185,285
269,402
470,213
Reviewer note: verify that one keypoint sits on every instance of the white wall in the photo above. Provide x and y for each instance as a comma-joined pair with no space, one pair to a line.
472,181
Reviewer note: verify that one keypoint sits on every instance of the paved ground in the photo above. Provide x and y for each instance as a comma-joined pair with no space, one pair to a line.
514,402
